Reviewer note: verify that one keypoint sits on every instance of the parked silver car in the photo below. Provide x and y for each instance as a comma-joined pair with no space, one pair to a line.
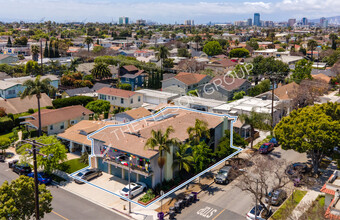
136,189
87,175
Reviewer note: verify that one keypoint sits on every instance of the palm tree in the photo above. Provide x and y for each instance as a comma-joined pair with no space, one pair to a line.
201,156
35,50
237,42
36,87
163,53
255,120
182,159
198,131
88,41
163,142
101,70
312,44
333,37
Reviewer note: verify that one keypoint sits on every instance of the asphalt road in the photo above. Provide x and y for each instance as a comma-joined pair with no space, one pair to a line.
228,201
65,204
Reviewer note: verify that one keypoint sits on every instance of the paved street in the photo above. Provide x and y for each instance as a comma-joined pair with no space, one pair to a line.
66,205
229,202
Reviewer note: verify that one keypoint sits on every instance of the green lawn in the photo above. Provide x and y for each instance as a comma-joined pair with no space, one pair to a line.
71,166
7,135
289,205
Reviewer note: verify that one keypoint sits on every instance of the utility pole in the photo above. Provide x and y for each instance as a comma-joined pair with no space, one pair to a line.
36,189
257,184
273,83
41,57
129,184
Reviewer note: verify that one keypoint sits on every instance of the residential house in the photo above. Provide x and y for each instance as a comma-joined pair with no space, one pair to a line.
223,88
120,98
8,59
144,53
113,144
132,75
332,196
18,105
4,76
55,121
12,87
156,97
184,82
285,94
322,77
221,65
265,53
75,137
132,114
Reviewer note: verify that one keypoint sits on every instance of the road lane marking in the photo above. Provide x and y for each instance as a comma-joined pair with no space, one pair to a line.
218,214
60,215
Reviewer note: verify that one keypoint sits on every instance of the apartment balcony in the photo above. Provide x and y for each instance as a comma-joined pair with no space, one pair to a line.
142,170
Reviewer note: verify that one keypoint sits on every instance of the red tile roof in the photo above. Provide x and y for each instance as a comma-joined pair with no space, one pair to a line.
228,83
116,92
130,68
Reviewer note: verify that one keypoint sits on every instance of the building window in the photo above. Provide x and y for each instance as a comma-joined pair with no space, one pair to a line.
131,100
138,98
73,122
51,127
62,126
108,97
121,100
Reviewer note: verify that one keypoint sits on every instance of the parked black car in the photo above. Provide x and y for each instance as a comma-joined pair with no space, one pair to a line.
222,175
276,197
12,163
22,169
2,158
87,175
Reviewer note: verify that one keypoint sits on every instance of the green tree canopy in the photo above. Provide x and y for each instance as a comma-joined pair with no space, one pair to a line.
17,199
101,70
239,52
183,52
303,70
98,106
4,143
212,48
312,129
50,156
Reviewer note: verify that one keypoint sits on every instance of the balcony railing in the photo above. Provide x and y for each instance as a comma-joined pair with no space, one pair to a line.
124,165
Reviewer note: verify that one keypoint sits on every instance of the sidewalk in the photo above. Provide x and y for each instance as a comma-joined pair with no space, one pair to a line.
305,203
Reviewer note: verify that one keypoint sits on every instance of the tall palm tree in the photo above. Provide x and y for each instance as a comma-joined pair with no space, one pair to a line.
333,37
312,44
198,131
88,41
163,53
255,120
35,50
163,142
182,159
101,70
36,87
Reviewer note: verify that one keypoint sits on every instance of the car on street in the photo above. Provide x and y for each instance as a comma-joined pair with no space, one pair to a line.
260,213
87,175
11,163
22,169
276,197
274,141
43,178
136,189
2,158
266,148
222,176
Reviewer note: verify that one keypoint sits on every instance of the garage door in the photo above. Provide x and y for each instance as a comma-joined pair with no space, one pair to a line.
102,165
133,176
117,172
147,180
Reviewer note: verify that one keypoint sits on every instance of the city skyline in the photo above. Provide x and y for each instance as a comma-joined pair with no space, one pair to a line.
164,11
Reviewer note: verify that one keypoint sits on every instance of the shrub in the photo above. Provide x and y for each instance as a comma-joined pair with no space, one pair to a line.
31,111
125,86
84,158
6,124
2,112
239,52
149,195
49,107
76,100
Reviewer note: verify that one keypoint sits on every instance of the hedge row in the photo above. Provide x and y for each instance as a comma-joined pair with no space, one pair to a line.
76,100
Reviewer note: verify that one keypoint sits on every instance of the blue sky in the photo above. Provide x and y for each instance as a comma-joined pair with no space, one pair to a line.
165,11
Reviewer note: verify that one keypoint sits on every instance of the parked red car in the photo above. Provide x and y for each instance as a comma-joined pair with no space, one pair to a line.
266,148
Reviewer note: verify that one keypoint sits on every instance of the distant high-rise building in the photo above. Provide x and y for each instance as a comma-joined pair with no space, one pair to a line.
189,22
141,22
291,22
250,22
304,21
269,24
257,21
123,20
323,22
